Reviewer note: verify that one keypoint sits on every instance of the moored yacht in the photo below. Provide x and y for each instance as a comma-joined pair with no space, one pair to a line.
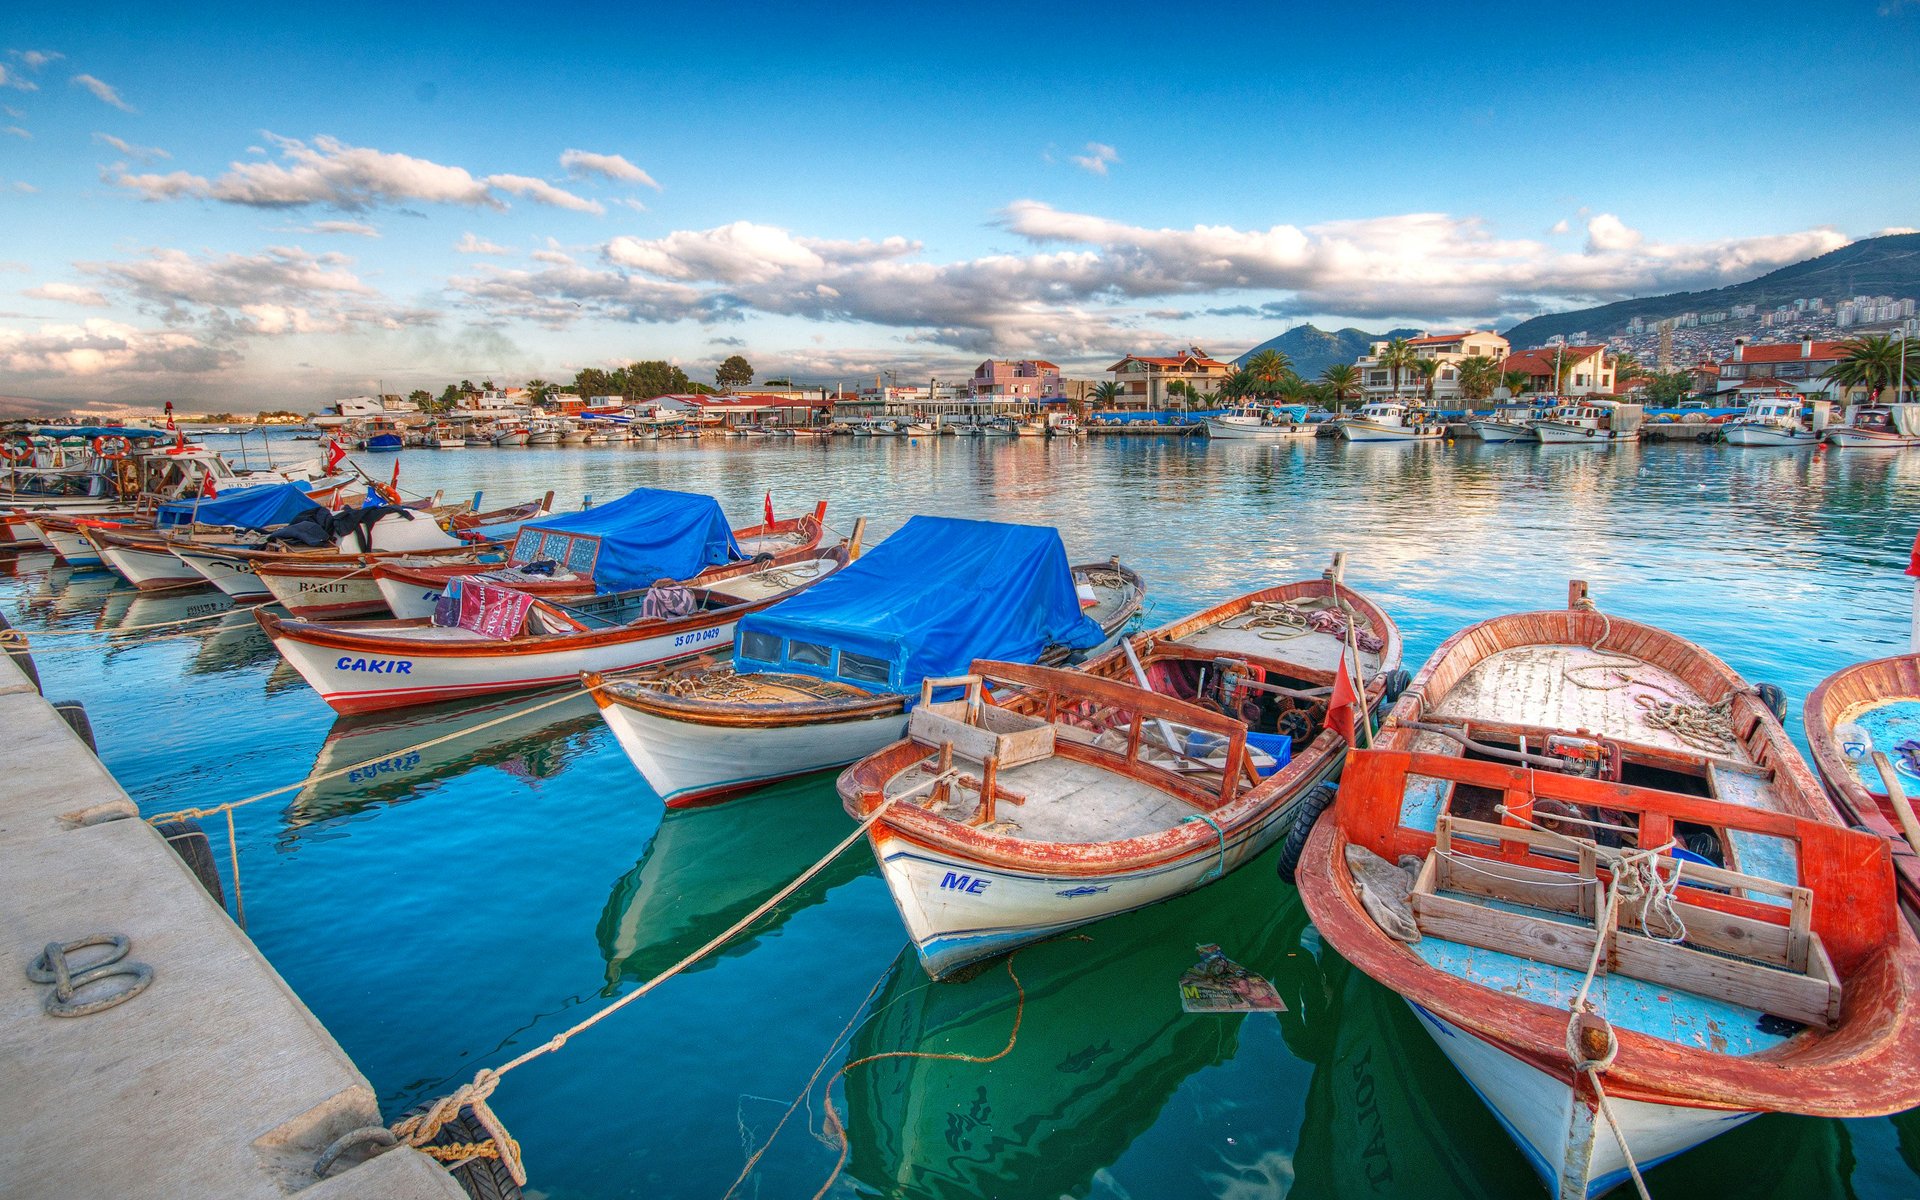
1588,421
1257,421
1779,420
1388,421
1512,422
1877,427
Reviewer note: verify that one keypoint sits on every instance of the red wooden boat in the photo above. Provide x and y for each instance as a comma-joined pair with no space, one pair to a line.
1623,907
1863,725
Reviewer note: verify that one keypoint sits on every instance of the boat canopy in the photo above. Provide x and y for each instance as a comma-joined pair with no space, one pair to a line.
647,535
926,602
263,507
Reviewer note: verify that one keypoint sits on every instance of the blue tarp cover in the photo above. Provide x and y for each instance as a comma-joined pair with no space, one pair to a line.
647,535
929,600
261,507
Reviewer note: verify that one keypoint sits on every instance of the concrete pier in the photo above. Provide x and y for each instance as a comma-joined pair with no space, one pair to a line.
215,1080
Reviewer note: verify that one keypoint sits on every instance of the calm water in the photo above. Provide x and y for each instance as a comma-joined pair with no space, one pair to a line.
444,913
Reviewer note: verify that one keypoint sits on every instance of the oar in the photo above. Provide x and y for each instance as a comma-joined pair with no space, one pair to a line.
1140,677
1898,796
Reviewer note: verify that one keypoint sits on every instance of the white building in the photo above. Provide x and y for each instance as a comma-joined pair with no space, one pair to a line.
1449,350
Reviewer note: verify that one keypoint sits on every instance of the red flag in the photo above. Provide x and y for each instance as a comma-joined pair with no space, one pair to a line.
1913,561
207,490
769,508
169,414
335,453
1342,704
179,438
395,484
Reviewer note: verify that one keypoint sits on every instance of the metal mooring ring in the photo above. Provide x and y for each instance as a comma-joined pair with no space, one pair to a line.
60,1001
44,970
379,1135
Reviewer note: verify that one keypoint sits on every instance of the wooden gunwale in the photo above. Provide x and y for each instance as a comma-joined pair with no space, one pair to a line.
350,637
1837,698
738,715
1376,619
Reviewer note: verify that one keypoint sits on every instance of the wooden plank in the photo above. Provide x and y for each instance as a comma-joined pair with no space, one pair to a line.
1782,993
1534,938
1728,933
1690,871
1820,967
1553,891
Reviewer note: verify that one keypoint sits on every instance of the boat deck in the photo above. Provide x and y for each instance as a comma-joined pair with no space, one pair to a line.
772,543
764,585
1572,688
1246,636
1883,725
1066,802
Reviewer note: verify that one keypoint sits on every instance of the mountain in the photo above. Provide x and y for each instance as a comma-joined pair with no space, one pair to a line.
1314,350
1881,266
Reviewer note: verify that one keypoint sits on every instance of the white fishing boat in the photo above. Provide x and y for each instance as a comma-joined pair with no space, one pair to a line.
1258,422
1877,427
1785,419
824,679
1508,423
1389,421
505,438
544,433
1590,422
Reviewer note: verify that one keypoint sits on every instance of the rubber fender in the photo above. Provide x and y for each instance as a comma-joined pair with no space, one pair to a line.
1396,682
22,658
1775,698
480,1178
190,842
1315,802
74,714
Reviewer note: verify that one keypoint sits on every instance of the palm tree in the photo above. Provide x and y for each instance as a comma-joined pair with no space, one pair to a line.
1237,386
1626,365
1106,393
1479,375
1426,369
1516,381
1396,357
1874,362
1268,368
1563,365
1343,382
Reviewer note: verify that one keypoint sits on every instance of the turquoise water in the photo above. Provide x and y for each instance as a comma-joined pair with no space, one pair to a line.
447,910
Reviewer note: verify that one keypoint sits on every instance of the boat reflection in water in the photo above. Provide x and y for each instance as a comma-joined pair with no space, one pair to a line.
538,744
705,868
1103,1046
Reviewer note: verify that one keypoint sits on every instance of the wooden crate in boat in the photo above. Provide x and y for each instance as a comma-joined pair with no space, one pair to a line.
978,731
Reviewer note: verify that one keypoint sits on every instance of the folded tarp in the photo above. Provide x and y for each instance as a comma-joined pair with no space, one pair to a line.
925,603
261,507
647,535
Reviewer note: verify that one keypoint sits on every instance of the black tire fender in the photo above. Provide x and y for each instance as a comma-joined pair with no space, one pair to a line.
190,842
1314,803
1775,698
74,714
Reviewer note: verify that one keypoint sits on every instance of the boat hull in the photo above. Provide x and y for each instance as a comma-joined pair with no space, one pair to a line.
230,573
361,675
1251,431
1501,431
1369,431
1847,437
69,546
1753,433
1556,433
1559,1129
510,439
325,595
690,763
959,910
148,570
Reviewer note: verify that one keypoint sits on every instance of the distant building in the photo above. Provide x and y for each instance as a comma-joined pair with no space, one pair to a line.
746,408
1589,372
1143,380
1030,379
1448,349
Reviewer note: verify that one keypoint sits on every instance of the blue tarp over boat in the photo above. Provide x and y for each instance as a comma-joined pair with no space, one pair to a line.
925,603
262,507
647,535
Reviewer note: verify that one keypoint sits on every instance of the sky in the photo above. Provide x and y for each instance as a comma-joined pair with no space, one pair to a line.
247,206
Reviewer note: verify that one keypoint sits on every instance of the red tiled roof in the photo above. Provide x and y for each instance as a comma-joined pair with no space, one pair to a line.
1540,361
1790,352
1173,361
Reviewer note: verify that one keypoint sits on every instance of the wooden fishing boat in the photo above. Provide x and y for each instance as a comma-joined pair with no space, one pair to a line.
368,666
1876,427
1114,830
814,686
1590,422
304,575
1626,912
1863,726
411,590
1389,421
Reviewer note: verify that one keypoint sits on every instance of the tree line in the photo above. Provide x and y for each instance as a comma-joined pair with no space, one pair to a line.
633,382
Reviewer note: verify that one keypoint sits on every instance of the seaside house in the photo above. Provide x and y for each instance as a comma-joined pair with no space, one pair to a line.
1448,349
1143,380
736,409
1029,381
1797,365
1589,371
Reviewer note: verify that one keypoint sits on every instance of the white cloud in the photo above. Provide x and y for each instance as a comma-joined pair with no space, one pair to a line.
68,293
99,346
35,59
21,185
13,79
351,178
142,153
353,228
582,163
630,202
1607,232
477,245
1097,158
1560,226
544,192
16,131
102,91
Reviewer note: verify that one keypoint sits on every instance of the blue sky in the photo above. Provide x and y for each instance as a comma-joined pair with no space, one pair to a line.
248,206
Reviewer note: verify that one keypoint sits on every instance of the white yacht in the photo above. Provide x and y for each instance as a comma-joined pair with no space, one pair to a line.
1256,421
1782,420
1509,423
1589,422
1388,421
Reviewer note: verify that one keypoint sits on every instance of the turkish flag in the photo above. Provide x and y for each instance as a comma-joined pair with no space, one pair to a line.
769,503
396,479
335,453
207,490
169,414
1913,560
1341,706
